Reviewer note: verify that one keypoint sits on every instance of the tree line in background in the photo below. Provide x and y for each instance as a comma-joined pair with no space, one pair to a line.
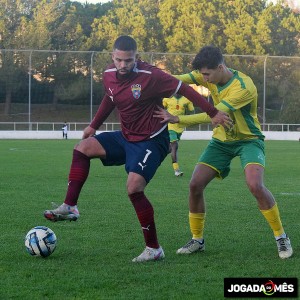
239,27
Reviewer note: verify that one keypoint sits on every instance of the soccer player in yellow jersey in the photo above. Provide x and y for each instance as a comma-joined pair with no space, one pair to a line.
176,105
235,93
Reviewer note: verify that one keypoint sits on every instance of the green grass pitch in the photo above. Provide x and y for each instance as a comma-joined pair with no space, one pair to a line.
93,255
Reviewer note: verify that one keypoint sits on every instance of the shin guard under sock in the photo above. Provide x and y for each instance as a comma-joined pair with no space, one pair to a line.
145,214
79,172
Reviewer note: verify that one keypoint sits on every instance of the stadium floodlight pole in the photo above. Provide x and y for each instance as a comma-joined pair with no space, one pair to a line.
29,92
264,94
91,104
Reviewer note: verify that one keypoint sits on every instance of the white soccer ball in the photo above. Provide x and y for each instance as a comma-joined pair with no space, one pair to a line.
40,241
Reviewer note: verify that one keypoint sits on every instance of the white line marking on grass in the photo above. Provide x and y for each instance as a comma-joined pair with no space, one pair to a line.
290,194
17,149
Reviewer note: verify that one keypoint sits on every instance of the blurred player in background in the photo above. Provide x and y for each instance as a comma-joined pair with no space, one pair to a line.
65,131
176,105
235,93
135,89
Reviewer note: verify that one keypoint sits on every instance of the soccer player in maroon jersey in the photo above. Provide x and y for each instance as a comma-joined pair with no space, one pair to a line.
135,88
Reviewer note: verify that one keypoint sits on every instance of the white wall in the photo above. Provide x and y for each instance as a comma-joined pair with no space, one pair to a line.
187,135
270,135
19,134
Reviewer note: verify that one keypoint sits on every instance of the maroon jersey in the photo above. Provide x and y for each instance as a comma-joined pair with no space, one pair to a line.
136,97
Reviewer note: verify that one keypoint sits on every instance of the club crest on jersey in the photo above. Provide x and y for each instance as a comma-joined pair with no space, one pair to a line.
136,90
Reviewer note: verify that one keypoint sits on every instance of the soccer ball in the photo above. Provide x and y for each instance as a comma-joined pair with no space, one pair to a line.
40,241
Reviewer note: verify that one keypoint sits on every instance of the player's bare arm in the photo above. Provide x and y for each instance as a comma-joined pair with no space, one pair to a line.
87,132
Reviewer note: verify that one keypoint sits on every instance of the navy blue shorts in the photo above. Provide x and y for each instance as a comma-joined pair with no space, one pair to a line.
139,157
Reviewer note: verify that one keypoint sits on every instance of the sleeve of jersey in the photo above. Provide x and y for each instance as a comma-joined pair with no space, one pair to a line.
197,100
189,120
165,104
191,107
104,110
193,77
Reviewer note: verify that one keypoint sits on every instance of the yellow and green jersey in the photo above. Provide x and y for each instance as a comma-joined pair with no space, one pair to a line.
238,97
177,105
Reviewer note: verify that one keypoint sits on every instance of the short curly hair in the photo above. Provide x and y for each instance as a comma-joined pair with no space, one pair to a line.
125,43
209,57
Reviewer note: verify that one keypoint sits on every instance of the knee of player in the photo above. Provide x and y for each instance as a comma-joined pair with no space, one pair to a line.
134,188
135,183
196,187
83,146
256,187
174,145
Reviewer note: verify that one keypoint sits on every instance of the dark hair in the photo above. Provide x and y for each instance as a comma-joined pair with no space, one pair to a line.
125,43
209,57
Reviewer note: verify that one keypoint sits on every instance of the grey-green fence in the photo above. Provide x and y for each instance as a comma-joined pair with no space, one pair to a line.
65,86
